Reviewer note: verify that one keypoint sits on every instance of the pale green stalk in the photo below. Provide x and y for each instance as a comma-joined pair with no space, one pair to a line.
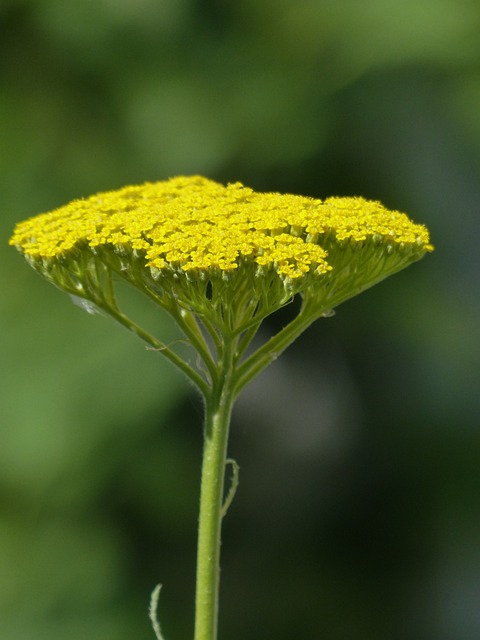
218,410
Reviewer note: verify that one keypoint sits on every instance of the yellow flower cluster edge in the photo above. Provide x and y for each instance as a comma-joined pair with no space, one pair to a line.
193,224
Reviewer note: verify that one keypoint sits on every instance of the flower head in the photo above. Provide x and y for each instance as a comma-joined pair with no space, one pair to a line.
201,245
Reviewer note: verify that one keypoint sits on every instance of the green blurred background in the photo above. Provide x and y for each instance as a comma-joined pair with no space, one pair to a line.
358,512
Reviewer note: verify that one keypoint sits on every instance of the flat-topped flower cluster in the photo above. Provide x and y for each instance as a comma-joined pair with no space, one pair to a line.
192,223
222,256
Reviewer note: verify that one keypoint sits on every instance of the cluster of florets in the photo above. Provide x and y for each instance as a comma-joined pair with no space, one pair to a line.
194,224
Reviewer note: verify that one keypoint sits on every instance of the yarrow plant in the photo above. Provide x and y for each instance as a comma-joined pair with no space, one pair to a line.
218,259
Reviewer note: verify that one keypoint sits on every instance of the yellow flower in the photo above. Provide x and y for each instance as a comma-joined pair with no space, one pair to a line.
251,250
218,260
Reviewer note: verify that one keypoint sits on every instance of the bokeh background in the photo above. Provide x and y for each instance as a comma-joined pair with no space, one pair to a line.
358,512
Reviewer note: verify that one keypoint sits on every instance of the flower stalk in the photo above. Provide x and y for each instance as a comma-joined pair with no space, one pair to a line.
218,410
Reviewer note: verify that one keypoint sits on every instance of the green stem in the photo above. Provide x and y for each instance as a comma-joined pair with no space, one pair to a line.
158,345
218,412
269,351
188,324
